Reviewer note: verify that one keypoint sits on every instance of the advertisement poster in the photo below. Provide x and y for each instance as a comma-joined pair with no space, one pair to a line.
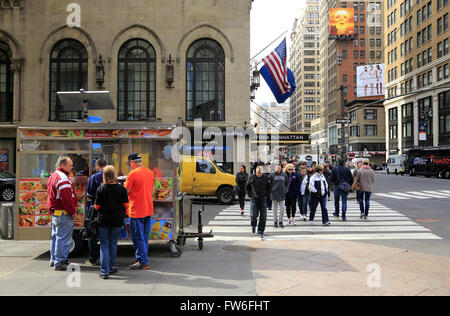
370,80
33,209
342,21
4,159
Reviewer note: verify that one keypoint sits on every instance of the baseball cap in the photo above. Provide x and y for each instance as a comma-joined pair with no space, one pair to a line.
134,156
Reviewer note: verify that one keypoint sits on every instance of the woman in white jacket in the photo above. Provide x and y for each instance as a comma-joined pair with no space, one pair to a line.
319,189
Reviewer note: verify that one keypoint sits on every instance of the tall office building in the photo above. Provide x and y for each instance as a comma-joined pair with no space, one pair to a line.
417,68
304,62
339,58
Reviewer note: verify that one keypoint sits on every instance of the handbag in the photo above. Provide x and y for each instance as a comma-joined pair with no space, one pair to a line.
344,186
90,226
356,186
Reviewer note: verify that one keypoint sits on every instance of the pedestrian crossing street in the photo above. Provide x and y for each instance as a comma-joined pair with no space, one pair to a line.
382,223
418,195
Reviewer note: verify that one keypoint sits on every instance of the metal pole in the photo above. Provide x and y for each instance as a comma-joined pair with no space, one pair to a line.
343,124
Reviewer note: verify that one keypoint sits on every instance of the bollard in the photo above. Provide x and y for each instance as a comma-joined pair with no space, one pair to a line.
5,215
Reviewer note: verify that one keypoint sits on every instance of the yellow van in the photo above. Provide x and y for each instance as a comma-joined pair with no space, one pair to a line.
201,176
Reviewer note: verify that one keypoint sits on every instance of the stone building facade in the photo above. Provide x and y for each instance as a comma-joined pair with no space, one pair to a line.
48,46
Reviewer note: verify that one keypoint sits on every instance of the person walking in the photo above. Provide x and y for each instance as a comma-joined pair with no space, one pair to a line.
258,188
62,205
111,202
327,174
292,193
94,183
318,187
304,196
139,185
241,181
268,172
342,178
366,178
279,185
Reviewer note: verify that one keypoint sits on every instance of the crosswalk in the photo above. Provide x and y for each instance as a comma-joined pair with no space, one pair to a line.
418,195
382,223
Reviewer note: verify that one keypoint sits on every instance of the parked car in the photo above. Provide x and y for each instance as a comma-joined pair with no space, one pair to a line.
201,176
7,186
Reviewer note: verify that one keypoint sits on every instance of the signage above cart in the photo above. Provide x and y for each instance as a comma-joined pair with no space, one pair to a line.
282,138
96,133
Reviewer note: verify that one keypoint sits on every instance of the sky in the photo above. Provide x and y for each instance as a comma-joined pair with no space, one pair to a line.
269,19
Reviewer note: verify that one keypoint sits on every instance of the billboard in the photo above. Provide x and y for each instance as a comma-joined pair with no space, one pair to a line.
370,80
342,21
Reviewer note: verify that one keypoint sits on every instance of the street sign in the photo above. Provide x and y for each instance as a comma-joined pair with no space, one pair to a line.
343,121
282,138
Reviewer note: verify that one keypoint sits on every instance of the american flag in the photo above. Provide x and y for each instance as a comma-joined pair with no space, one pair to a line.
276,63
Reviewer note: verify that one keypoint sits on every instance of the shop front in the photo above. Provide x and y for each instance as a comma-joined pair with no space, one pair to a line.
40,147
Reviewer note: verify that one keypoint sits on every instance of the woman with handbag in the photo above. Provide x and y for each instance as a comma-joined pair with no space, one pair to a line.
366,178
111,201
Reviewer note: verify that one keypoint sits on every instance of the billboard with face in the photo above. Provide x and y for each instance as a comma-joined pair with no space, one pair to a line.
342,21
370,80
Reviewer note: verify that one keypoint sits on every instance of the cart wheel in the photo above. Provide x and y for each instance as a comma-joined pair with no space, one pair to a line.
200,244
175,250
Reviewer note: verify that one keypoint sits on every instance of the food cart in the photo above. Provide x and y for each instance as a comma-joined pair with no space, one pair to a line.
40,147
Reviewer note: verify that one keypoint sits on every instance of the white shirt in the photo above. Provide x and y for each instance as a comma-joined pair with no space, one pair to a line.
323,184
304,184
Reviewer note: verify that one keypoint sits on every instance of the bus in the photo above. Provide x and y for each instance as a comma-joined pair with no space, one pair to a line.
429,162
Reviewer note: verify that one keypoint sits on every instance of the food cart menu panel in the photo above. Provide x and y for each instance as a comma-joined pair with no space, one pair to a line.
33,209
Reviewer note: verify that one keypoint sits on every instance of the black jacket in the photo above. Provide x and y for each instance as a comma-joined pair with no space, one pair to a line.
258,188
341,174
241,180
111,199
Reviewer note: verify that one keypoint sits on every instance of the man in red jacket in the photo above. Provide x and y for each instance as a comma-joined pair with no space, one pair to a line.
62,203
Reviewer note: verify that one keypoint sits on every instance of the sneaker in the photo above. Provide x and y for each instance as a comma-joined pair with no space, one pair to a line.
253,229
362,215
281,224
335,214
365,216
103,276
113,271
139,266
242,212
91,264
275,225
294,222
262,237
327,224
304,218
290,222
52,264
344,219
61,267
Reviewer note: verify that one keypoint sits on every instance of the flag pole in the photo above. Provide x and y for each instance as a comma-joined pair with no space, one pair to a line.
259,53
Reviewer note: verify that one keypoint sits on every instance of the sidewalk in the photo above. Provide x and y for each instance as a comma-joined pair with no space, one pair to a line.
238,269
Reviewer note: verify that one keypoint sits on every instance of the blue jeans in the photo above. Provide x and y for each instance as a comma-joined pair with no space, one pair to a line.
258,208
323,207
109,236
140,235
303,204
62,229
337,194
364,201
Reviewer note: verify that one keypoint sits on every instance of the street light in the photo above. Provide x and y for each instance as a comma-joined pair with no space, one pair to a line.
100,72
255,82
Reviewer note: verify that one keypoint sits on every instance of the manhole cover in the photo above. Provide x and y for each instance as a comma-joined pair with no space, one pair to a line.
239,248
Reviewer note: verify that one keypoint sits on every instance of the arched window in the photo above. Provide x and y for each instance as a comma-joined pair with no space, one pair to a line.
68,72
6,84
137,81
205,86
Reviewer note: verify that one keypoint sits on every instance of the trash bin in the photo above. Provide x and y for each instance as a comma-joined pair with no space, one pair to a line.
7,221
187,210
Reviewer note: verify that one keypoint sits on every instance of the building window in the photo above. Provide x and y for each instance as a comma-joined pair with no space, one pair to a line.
370,130
68,72
393,114
205,88
6,84
137,81
393,133
370,114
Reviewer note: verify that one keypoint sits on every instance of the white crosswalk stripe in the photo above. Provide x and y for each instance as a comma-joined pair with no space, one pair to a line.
382,223
420,195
